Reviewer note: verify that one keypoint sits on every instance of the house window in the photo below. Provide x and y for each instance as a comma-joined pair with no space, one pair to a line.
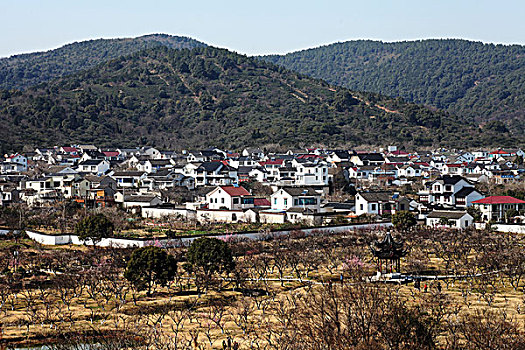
361,207
285,202
373,207
222,200
236,201
275,201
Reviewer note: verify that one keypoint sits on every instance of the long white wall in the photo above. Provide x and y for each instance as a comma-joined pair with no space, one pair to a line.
129,243
503,227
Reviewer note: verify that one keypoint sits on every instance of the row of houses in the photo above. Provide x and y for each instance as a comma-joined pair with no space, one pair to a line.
209,184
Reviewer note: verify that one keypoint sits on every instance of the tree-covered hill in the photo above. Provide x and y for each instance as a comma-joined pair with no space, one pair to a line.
22,71
483,81
207,96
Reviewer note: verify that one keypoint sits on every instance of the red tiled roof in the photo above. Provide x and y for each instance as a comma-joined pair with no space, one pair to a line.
305,156
69,149
261,202
235,191
499,152
272,162
111,153
499,200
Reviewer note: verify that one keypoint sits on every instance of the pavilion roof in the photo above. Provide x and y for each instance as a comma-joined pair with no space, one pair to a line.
388,248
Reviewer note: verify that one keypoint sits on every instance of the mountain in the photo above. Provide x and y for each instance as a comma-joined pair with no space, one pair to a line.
207,96
482,81
22,71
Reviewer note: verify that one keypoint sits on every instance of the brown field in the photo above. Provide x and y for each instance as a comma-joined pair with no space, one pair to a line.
283,294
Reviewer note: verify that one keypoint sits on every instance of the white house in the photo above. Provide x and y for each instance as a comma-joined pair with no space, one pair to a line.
495,207
259,174
443,190
310,174
152,165
151,153
409,171
298,197
215,174
17,159
466,157
376,203
272,166
368,159
141,201
446,218
230,198
9,167
129,179
94,166
338,156
466,196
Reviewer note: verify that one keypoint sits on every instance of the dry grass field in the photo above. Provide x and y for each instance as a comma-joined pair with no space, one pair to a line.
294,292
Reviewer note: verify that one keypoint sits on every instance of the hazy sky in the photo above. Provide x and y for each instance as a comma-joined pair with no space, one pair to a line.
257,27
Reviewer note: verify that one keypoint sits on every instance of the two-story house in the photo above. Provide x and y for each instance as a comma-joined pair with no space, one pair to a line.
443,191
296,197
310,173
94,166
379,203
229,198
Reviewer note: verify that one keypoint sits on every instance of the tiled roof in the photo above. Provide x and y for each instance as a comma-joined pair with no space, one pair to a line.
465,191
300,191
442,214
261,202
235,191
111,153
272,162
92,162
499,200
376,196
128,173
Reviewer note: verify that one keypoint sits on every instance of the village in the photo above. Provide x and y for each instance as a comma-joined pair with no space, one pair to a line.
311,187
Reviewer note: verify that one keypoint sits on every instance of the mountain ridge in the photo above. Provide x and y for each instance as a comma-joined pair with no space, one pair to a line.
29,69
187,98
481,80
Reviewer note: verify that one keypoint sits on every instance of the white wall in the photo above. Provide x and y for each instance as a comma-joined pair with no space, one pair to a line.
204,215
459,223
272,218
218,199
164,212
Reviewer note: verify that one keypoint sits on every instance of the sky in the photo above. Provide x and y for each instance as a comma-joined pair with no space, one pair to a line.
257,27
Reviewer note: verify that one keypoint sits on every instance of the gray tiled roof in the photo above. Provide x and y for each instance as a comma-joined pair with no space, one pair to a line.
453,215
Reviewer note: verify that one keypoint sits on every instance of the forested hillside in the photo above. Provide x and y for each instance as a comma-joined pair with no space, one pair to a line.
207,96
483,81
26,70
